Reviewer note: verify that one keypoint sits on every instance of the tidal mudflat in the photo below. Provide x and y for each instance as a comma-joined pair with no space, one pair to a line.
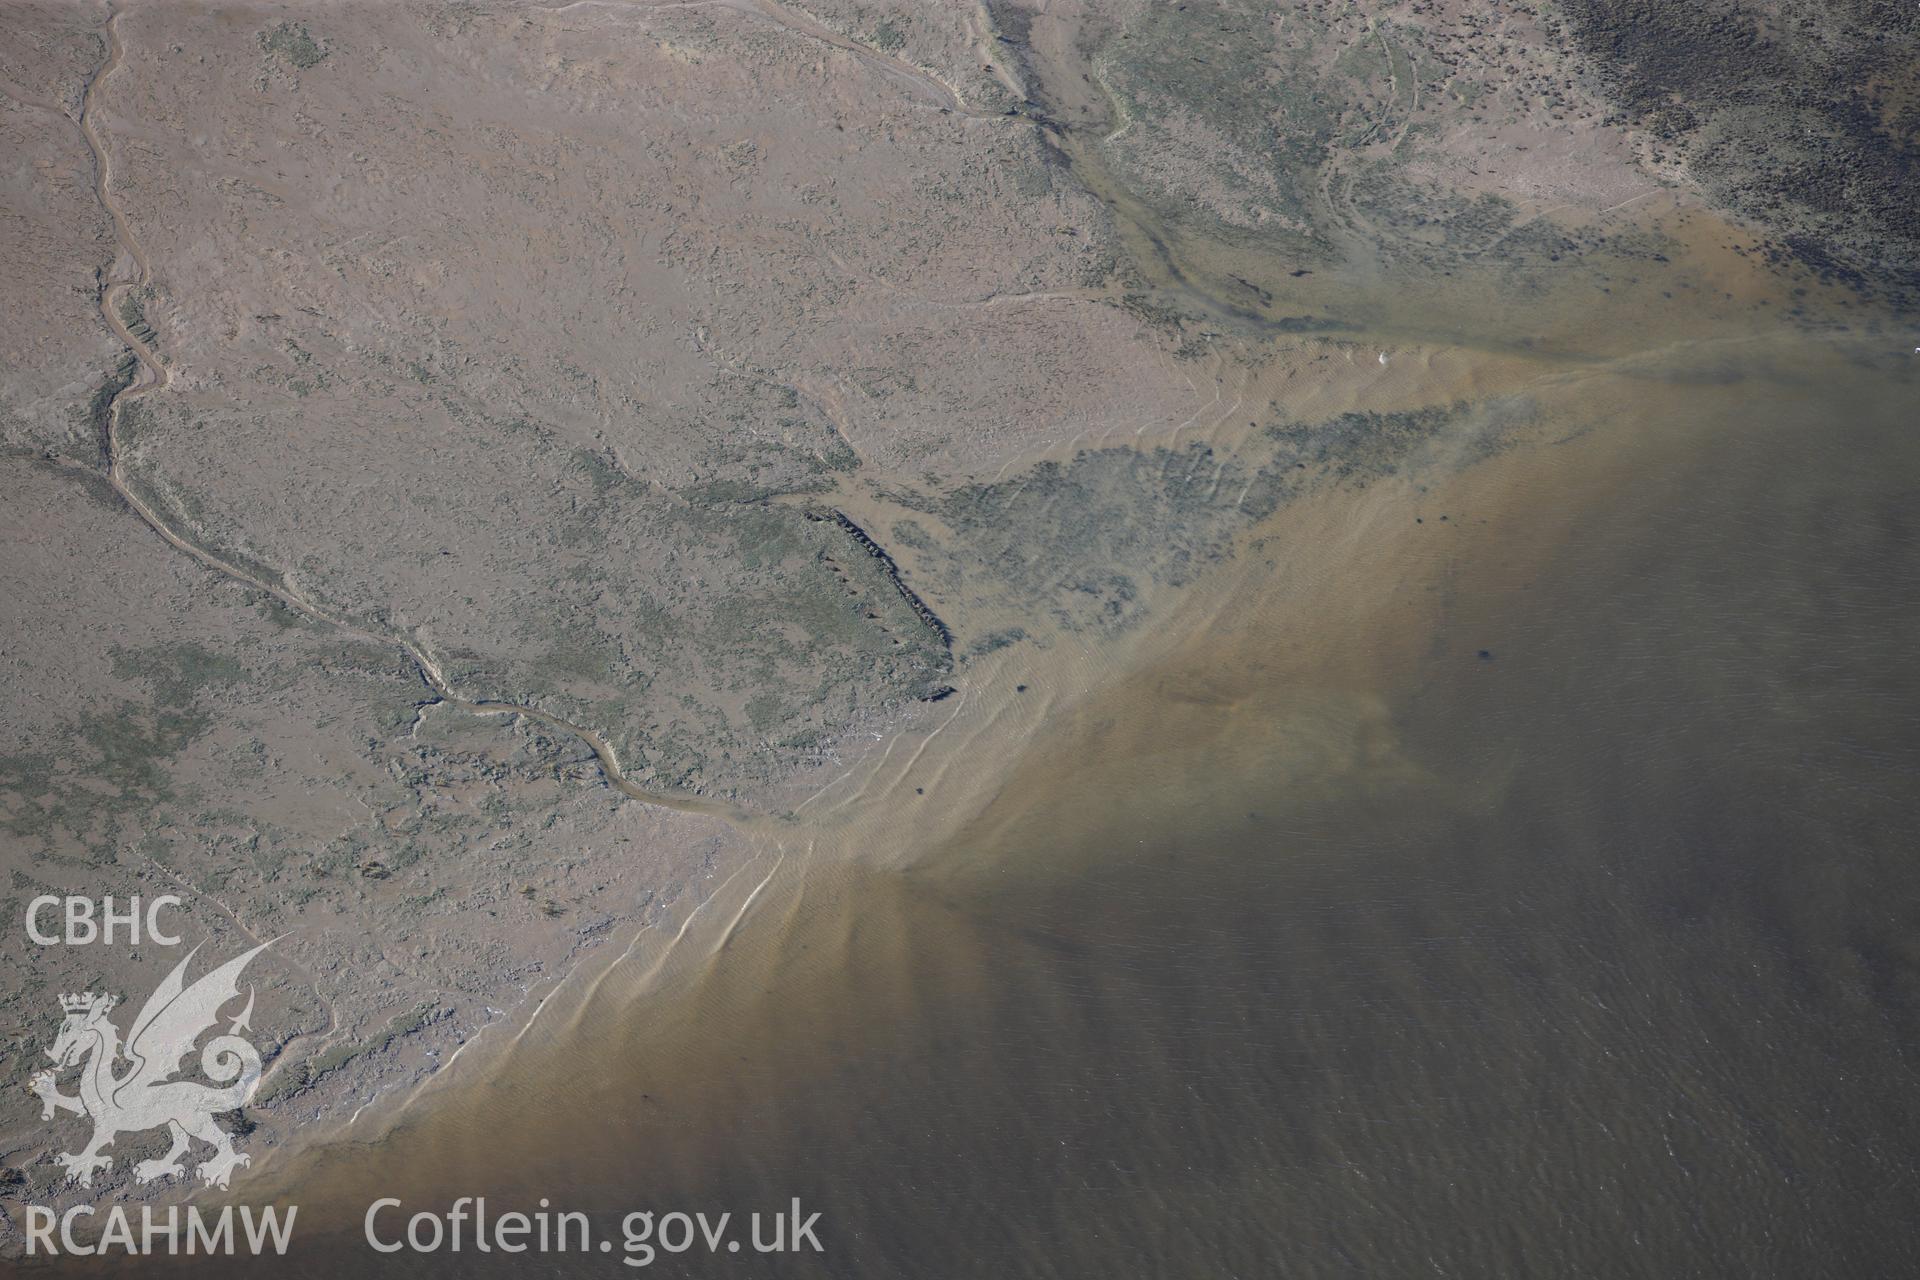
1092,638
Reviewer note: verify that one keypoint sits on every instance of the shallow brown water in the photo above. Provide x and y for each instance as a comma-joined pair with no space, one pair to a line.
1528,891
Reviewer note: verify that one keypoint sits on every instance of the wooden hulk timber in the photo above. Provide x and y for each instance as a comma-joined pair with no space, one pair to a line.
892,571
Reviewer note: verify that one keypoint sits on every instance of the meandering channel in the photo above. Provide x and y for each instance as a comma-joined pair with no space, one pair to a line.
151,375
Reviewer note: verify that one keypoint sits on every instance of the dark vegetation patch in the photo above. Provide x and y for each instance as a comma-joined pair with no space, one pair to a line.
1218,62
176,672
295,44
1296,139
1084,541
1803,115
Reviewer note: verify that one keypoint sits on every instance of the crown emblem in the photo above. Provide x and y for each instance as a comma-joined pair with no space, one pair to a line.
83,1003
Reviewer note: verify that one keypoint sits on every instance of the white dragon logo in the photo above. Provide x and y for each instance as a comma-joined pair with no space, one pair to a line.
147,1097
